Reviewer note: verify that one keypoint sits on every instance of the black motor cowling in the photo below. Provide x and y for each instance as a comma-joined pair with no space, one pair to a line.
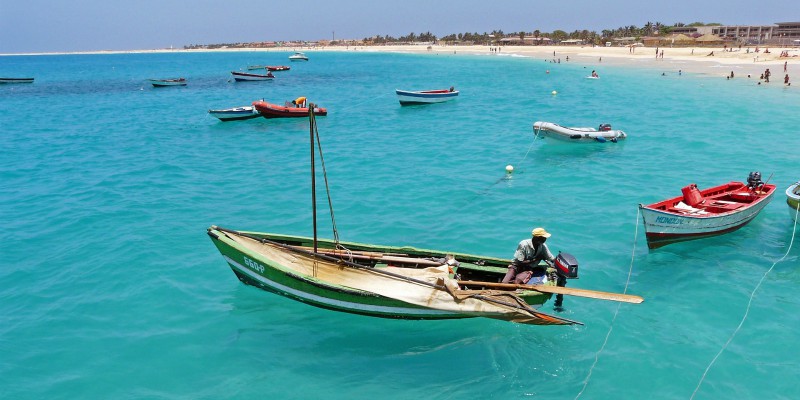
754,180
567,265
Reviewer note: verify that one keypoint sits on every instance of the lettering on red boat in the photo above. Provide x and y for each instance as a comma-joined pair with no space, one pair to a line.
669,220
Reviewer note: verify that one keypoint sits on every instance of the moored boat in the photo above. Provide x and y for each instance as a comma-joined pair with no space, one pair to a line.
702,213
298,56
167,82
793,199
408,97
277,68
603,134
16,80
270,110
246,77
235,113
254,67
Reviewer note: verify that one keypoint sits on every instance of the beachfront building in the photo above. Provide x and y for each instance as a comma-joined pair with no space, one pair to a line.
788,33
527,41
782,33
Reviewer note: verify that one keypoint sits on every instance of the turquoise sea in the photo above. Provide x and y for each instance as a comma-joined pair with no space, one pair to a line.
110,288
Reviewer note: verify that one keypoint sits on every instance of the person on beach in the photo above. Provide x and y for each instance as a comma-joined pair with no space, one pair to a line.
786,80
299,102
731,74
784,65
766,75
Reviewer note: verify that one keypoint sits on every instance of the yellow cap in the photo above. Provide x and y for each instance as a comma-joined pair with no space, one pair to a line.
540,232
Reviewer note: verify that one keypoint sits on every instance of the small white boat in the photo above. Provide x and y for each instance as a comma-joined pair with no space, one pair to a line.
16,80
167,82
793,199
235,113
298,56
408,97
254,67
604,133
245,76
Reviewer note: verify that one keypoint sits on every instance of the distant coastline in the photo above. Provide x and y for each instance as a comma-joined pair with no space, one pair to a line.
712,61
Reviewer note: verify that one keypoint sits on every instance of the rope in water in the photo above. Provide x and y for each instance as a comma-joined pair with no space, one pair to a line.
504,178
616,312
747,310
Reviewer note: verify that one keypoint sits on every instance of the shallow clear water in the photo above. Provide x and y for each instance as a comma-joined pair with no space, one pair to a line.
110,288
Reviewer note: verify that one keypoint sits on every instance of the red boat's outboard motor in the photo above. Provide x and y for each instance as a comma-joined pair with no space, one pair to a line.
604,127
754,181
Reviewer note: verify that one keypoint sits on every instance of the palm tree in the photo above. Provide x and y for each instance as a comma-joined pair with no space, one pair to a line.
647,29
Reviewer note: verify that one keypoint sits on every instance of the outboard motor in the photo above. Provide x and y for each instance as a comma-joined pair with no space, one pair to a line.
604,127
754,180
566,265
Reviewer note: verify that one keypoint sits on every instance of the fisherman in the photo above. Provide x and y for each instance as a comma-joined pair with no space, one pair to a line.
299,102
527,257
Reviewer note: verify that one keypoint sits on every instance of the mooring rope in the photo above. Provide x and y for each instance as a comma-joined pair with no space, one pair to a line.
616,312
747,310
506,177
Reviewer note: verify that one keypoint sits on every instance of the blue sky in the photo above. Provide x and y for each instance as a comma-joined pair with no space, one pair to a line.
84,25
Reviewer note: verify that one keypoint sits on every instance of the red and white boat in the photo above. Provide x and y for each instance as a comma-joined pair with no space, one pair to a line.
702,213
246,76
270,110
277,68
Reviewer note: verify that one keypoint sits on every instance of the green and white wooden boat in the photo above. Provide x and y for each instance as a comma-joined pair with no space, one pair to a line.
381,281
793,199
385,281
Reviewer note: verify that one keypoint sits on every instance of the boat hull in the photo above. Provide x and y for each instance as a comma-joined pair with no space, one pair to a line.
16,80
245,77
253,268
235,114
663,227
269,110
425,97
793,199
167,82
558,133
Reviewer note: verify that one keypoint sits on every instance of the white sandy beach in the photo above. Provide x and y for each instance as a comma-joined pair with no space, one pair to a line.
742,62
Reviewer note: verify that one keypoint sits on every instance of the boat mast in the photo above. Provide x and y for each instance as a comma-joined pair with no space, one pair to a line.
313,121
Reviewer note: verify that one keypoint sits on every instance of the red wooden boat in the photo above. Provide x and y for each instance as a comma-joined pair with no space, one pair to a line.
277,68
703,213
269,110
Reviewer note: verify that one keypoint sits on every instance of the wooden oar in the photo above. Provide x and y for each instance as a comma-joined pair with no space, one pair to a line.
593,294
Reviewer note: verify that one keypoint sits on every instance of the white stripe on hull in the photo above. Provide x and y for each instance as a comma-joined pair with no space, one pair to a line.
356,307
